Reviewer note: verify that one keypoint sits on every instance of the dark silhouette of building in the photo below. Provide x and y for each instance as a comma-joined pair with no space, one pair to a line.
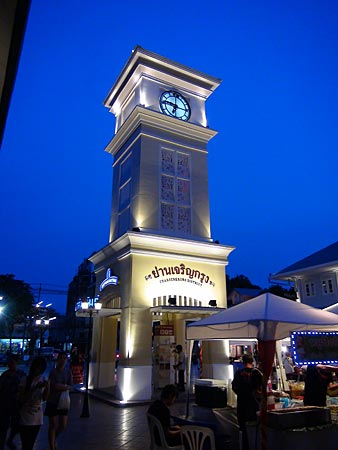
13,18
81,287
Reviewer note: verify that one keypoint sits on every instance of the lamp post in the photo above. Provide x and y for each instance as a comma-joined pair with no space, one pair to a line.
42,324
88,308
42,321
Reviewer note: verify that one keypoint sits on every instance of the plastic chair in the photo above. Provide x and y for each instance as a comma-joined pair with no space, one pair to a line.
155,424
198,438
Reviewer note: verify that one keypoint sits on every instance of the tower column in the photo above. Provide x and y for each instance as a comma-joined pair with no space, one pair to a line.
102,365
135,367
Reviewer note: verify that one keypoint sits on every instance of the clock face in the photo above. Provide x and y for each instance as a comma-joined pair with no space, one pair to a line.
175,105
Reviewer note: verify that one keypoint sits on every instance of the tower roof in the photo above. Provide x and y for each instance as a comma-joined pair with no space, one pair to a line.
155,62
326,256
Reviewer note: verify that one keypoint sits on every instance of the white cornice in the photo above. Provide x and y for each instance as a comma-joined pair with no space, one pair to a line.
152,61
144,116
148,244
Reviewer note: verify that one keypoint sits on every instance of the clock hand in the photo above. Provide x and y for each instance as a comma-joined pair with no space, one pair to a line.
169,103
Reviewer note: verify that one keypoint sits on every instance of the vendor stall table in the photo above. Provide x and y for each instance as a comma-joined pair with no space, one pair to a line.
301,428
313,438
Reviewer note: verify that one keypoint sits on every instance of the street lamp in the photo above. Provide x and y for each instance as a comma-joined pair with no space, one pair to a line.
42,322
88,308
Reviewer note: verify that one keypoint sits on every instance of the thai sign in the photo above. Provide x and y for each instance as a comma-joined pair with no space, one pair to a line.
180,273
164,330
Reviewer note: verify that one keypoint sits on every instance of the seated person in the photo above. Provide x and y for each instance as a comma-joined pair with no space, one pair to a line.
160,410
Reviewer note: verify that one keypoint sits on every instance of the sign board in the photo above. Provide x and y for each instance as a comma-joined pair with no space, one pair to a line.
315,347
109,280
164,330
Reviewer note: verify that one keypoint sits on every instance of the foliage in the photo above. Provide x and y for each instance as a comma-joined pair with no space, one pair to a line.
239,281
282,292
16,303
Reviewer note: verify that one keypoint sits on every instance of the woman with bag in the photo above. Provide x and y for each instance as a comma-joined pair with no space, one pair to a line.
58,402
33,390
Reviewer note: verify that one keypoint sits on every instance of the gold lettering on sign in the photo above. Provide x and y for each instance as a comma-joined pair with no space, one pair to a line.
193,276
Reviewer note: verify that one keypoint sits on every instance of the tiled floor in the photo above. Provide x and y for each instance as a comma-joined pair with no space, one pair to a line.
107,428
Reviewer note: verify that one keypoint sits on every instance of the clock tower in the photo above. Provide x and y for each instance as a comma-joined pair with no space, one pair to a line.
160,246
160,182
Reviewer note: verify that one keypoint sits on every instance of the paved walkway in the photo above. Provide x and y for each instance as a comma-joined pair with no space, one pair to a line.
108,427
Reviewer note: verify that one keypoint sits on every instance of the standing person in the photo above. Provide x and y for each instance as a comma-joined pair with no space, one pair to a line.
75,366
9,405
74,356
60,379
246,384
33,391
180,366
160,410
317,379
288,365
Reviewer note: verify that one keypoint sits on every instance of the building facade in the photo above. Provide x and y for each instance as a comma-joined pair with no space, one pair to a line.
161,267
314,277
240,295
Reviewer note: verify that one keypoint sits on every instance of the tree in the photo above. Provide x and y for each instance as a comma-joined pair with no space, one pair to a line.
239,281
282,291
17,301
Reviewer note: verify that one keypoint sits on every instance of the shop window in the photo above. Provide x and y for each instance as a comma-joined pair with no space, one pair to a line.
327,286
124,221
310,289
124,196
175,191
125,170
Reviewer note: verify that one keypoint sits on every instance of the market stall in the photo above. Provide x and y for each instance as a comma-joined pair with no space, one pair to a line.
267,318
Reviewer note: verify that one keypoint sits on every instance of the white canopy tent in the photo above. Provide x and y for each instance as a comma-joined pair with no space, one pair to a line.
267,318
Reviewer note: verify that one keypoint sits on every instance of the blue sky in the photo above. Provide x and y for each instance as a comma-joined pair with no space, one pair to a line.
273,166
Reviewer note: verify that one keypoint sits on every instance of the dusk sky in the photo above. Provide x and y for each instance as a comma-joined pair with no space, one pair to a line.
273,177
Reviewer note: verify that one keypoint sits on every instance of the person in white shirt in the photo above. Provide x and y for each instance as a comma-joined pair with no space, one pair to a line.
33,390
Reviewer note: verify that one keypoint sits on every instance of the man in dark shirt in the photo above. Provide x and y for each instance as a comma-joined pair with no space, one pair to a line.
246,384
160,410
9,405
317,379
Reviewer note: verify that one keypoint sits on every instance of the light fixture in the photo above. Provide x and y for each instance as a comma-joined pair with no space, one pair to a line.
212,302
172,301
138,229
90,307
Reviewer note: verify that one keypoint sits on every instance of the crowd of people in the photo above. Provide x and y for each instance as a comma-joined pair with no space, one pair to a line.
22,399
